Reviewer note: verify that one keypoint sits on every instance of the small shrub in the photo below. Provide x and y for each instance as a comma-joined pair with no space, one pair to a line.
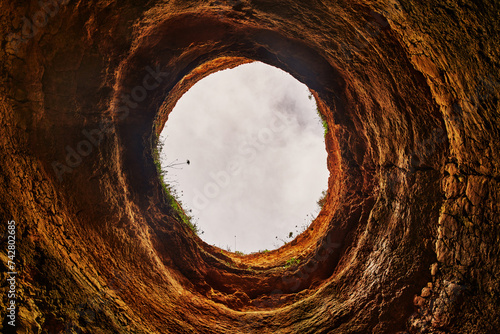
323,121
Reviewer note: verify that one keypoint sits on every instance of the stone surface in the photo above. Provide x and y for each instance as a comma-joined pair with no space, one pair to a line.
411,95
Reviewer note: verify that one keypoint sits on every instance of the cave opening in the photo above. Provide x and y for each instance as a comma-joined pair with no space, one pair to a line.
261,177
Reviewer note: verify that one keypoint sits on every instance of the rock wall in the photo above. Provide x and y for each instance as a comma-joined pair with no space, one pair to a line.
408,240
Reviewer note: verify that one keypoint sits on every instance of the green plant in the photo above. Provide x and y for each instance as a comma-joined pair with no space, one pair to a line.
239,253
323,121
228,264
170,193
292,262
325,127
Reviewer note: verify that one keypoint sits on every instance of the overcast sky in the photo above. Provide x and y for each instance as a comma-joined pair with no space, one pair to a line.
257,156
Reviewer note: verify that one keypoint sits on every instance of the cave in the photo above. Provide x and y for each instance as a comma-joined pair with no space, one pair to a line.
408,238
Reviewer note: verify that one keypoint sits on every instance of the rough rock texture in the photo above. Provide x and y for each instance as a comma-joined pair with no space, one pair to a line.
408,240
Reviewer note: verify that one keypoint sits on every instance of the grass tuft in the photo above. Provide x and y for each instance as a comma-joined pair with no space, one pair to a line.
170,193
323,121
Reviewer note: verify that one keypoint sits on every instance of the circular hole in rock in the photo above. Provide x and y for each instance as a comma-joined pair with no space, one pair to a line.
243,152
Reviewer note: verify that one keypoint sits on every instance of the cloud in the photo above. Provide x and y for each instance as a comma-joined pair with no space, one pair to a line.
258,159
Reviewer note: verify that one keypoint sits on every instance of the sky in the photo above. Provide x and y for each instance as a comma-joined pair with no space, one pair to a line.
257,157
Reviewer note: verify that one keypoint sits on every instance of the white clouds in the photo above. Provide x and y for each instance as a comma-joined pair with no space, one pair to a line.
258,160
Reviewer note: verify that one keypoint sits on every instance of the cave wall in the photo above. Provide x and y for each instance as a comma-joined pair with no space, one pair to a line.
408,240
